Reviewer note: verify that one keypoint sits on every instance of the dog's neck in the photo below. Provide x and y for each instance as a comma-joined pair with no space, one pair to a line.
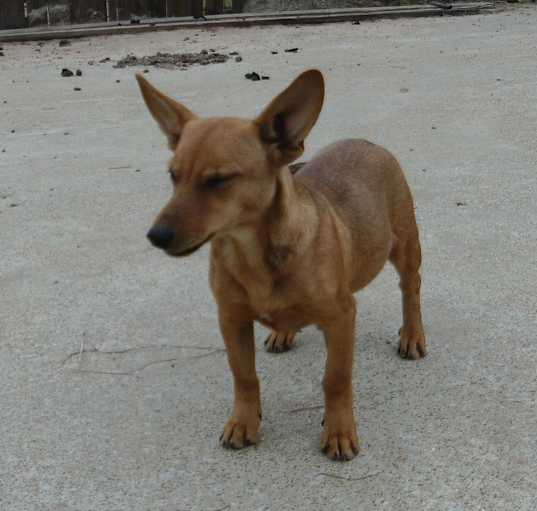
283,231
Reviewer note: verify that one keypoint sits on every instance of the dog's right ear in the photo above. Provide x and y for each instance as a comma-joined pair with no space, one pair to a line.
286,122
170,115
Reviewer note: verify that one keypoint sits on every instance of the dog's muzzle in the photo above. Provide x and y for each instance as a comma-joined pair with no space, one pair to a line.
160,236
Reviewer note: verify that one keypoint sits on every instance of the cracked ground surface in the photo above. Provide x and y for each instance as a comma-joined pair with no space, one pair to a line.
113,383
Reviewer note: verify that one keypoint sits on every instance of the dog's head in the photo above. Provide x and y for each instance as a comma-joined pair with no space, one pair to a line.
224,170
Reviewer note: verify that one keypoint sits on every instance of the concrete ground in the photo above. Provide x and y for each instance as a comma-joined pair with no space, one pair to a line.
114,385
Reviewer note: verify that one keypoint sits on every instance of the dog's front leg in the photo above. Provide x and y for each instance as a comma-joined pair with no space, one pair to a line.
339,439
242,427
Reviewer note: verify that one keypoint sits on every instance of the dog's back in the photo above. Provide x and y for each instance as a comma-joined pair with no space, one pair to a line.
366,187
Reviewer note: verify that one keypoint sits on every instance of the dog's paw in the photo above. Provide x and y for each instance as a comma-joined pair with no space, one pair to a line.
238,434
340,442
278,342
412,344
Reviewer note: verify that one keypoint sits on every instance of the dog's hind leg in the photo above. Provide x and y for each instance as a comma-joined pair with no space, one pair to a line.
406,257
278,342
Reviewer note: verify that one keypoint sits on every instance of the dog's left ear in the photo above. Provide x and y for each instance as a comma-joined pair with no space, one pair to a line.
288,119
170,115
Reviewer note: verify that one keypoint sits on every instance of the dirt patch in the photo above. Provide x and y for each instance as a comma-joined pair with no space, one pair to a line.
174,60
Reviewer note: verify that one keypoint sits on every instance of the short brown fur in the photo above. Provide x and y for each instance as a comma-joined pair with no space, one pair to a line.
289,249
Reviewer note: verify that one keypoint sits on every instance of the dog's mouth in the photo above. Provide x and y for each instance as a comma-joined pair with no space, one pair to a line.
189,250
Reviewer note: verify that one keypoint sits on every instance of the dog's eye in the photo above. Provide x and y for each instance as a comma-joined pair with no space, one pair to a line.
215,182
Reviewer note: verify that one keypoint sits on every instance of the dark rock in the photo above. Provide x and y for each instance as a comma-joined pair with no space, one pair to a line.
238,59
291,50
252,76
274,52
77,89
234,53
64,42
357,22
78,72
2,54
265,78
66,72
106,59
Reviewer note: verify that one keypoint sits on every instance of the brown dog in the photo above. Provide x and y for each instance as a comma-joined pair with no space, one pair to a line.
288,250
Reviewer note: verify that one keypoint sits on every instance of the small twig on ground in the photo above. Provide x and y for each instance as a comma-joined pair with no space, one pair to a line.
114,373
75,353
306,408
80,352
145,366
350,479
139,348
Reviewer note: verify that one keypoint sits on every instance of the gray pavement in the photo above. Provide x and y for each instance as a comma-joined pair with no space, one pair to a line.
113,382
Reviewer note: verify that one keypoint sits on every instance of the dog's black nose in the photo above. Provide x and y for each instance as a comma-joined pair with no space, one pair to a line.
160,236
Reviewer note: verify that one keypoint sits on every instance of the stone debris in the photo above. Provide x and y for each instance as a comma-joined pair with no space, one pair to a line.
172,60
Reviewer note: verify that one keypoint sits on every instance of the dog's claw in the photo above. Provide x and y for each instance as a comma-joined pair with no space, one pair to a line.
237,435
340,442
279,342
412,345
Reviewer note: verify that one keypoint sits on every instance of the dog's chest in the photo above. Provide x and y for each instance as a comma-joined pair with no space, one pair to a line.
274,297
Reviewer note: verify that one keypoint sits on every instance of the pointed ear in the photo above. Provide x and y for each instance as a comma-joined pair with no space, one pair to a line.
286,122
170,115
